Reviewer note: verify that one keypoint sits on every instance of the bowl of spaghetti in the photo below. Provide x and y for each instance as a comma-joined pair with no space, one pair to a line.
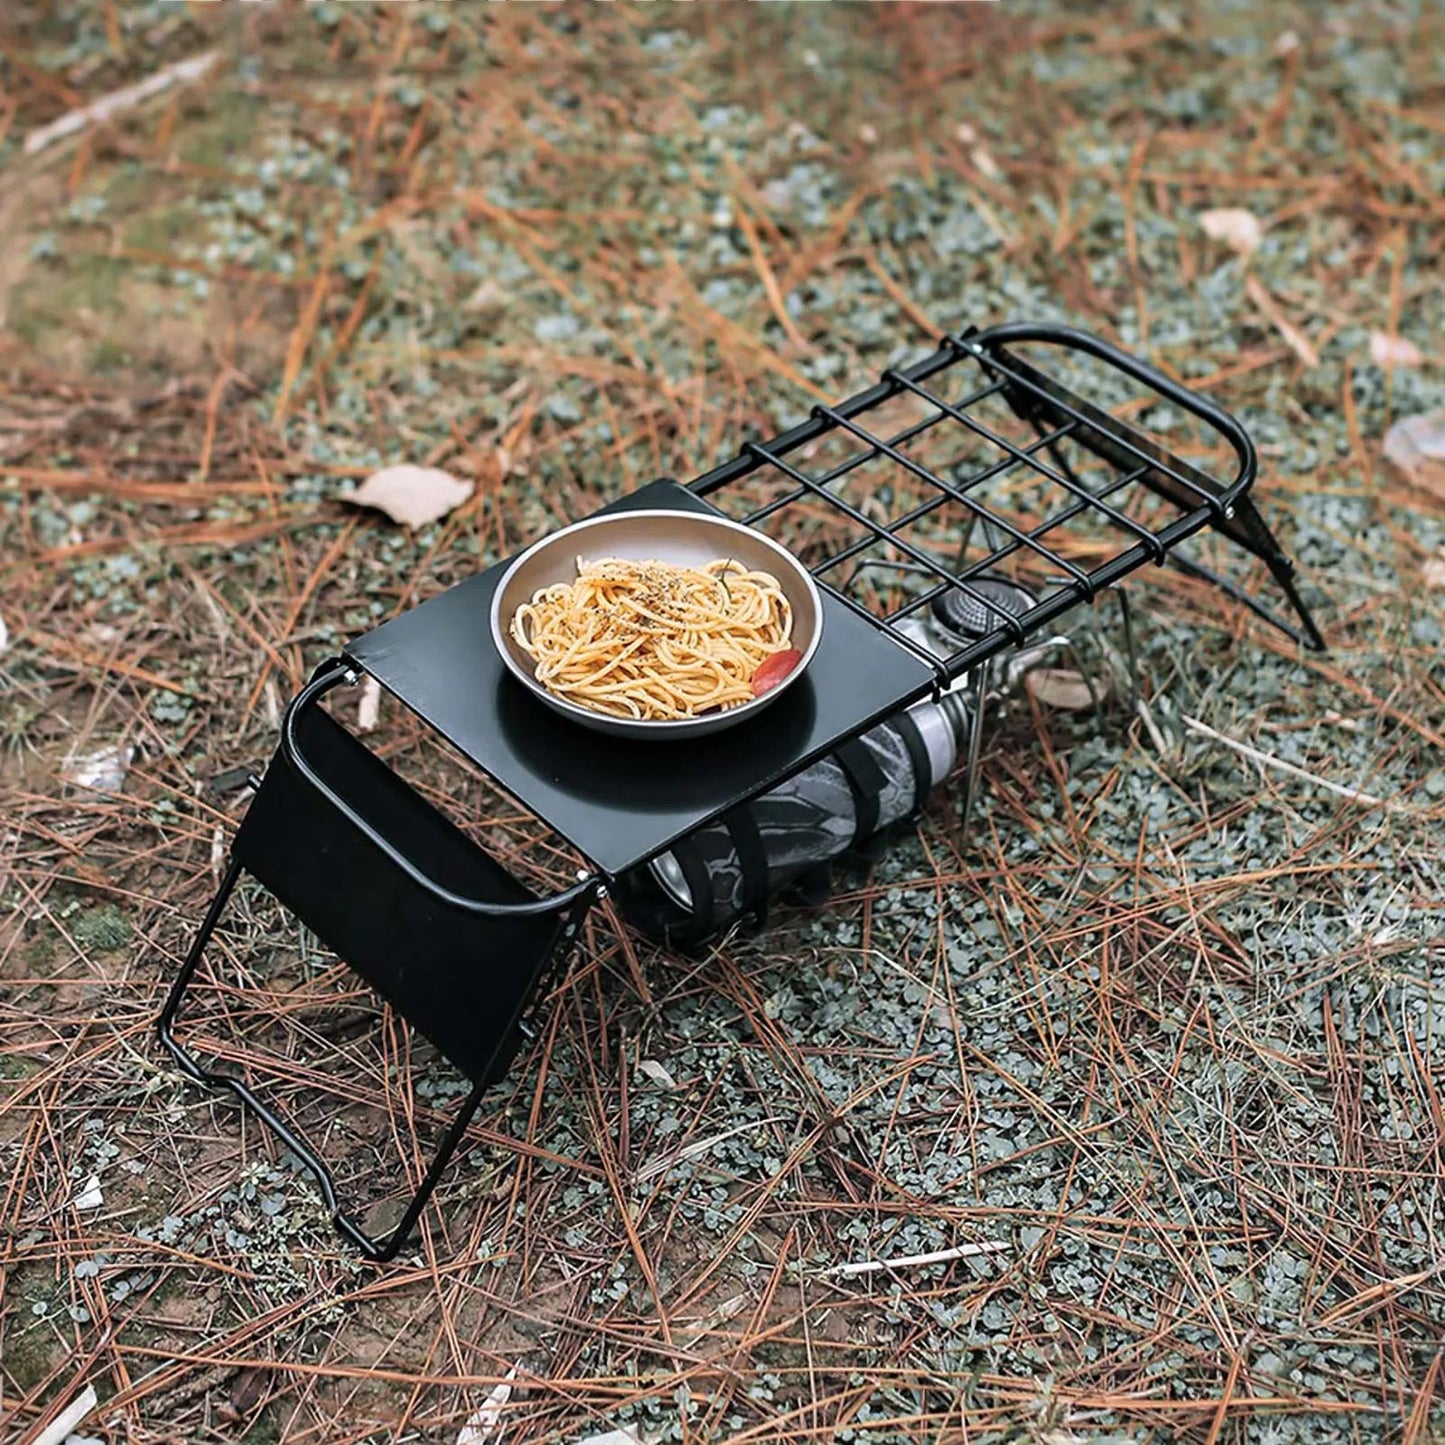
657,623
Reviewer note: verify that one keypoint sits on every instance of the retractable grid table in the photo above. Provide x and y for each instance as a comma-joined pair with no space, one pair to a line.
461,948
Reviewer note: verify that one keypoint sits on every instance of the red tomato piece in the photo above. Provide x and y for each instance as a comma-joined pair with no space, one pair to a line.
775,669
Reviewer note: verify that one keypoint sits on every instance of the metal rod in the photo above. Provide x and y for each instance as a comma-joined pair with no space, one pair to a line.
924,474
1069,482
1002,553
985,344
975,744
374,1248
843,468
1310,636
932,505
321,684
812,429
1126,616
1010,622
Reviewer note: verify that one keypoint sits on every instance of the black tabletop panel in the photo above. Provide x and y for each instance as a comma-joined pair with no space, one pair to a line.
619,801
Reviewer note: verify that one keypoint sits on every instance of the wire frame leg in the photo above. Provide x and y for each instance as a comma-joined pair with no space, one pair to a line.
973,747
375,1248
166,1023
1131,655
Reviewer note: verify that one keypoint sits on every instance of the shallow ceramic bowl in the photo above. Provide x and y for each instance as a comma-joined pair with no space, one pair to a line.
687,539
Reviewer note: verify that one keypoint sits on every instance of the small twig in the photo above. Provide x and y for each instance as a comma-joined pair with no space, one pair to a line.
119,100
64,1423
911,1261
1270,761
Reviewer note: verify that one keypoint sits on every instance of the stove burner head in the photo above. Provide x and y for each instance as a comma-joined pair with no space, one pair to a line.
965,617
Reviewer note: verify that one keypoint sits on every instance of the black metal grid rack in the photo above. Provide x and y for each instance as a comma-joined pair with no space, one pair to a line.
997,466
1133,461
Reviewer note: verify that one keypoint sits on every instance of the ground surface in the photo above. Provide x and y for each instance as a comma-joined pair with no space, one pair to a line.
1167,1024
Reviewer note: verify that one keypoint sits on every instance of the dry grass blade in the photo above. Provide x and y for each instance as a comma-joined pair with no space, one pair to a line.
1271,310
1268,760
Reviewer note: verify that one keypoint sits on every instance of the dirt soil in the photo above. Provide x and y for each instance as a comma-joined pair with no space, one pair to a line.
1151,1054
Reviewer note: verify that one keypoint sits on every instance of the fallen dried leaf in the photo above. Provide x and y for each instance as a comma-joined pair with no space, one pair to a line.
368,707
1417,440
488,296
1063,688
412,495
4,635
659,1075
246,1394
1388,350
612,1437
1239,229
103,770
1269,308
91,1196
1416,444
486,1423
1434,572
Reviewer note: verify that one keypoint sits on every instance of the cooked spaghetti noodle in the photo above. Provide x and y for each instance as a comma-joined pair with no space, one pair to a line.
654,641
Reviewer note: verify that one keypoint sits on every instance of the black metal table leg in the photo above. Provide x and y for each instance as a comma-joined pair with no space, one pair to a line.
166,1023
438,927
375,1248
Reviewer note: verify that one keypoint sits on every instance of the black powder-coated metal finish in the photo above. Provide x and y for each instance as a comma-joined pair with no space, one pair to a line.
378,1249
467,985
619,801
460,947
1231,511
437,927
1061,420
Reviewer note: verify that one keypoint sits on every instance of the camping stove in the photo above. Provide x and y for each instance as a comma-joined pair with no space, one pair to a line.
956,516
788,838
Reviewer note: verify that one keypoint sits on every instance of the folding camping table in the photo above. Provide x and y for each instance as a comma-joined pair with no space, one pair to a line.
460,947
